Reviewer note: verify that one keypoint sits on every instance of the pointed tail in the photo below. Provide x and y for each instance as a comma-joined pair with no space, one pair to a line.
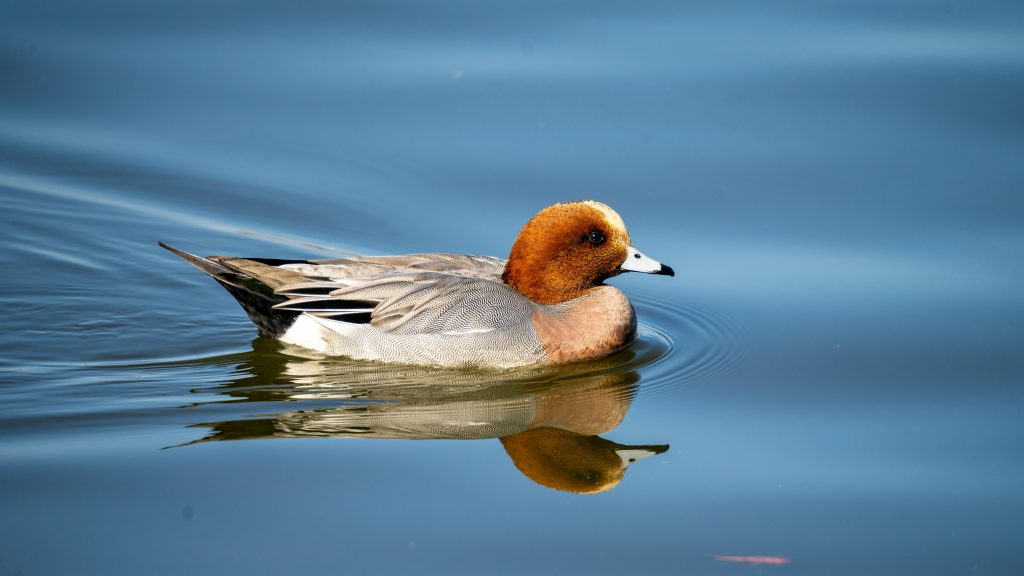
254,295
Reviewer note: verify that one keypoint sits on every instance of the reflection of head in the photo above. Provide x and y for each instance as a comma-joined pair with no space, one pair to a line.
572,462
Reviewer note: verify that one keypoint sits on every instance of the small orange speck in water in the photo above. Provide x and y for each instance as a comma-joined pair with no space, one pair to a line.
755,560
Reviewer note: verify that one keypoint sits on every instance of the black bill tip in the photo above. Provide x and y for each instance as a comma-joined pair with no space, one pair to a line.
666,271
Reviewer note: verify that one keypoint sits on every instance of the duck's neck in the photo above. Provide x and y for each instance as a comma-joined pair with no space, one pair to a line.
542,283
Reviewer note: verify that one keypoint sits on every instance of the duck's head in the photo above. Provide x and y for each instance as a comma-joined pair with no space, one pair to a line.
569,248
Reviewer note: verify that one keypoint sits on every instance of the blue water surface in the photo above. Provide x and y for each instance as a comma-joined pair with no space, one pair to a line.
836,367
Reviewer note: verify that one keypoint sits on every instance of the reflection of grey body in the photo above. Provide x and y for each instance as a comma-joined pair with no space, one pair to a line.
548,420
467,419
410,402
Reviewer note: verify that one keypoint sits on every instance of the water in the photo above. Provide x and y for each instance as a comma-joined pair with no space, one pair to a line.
837,367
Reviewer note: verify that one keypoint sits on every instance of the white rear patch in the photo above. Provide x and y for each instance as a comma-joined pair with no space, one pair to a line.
306,332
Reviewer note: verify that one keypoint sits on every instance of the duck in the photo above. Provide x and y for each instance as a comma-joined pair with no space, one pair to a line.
546,304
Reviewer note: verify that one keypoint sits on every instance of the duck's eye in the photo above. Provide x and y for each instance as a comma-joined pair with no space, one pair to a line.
596,237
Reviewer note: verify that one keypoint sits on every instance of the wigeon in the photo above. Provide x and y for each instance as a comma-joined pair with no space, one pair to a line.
546,304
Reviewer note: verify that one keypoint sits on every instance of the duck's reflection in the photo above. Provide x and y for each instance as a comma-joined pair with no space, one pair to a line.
547,420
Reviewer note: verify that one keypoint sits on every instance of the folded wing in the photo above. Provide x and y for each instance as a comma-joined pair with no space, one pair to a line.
416,294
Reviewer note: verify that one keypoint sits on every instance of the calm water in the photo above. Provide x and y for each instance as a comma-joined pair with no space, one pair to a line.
837,368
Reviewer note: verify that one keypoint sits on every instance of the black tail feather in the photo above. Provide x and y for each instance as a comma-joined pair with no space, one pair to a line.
255,297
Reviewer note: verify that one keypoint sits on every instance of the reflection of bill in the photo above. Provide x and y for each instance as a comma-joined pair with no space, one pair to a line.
548,420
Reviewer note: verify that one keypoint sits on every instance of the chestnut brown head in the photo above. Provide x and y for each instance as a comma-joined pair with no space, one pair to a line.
569,248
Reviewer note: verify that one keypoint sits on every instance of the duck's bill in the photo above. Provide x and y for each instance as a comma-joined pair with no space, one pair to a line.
636,262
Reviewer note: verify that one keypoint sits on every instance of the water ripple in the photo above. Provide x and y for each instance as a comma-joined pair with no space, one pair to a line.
678,344
692,342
